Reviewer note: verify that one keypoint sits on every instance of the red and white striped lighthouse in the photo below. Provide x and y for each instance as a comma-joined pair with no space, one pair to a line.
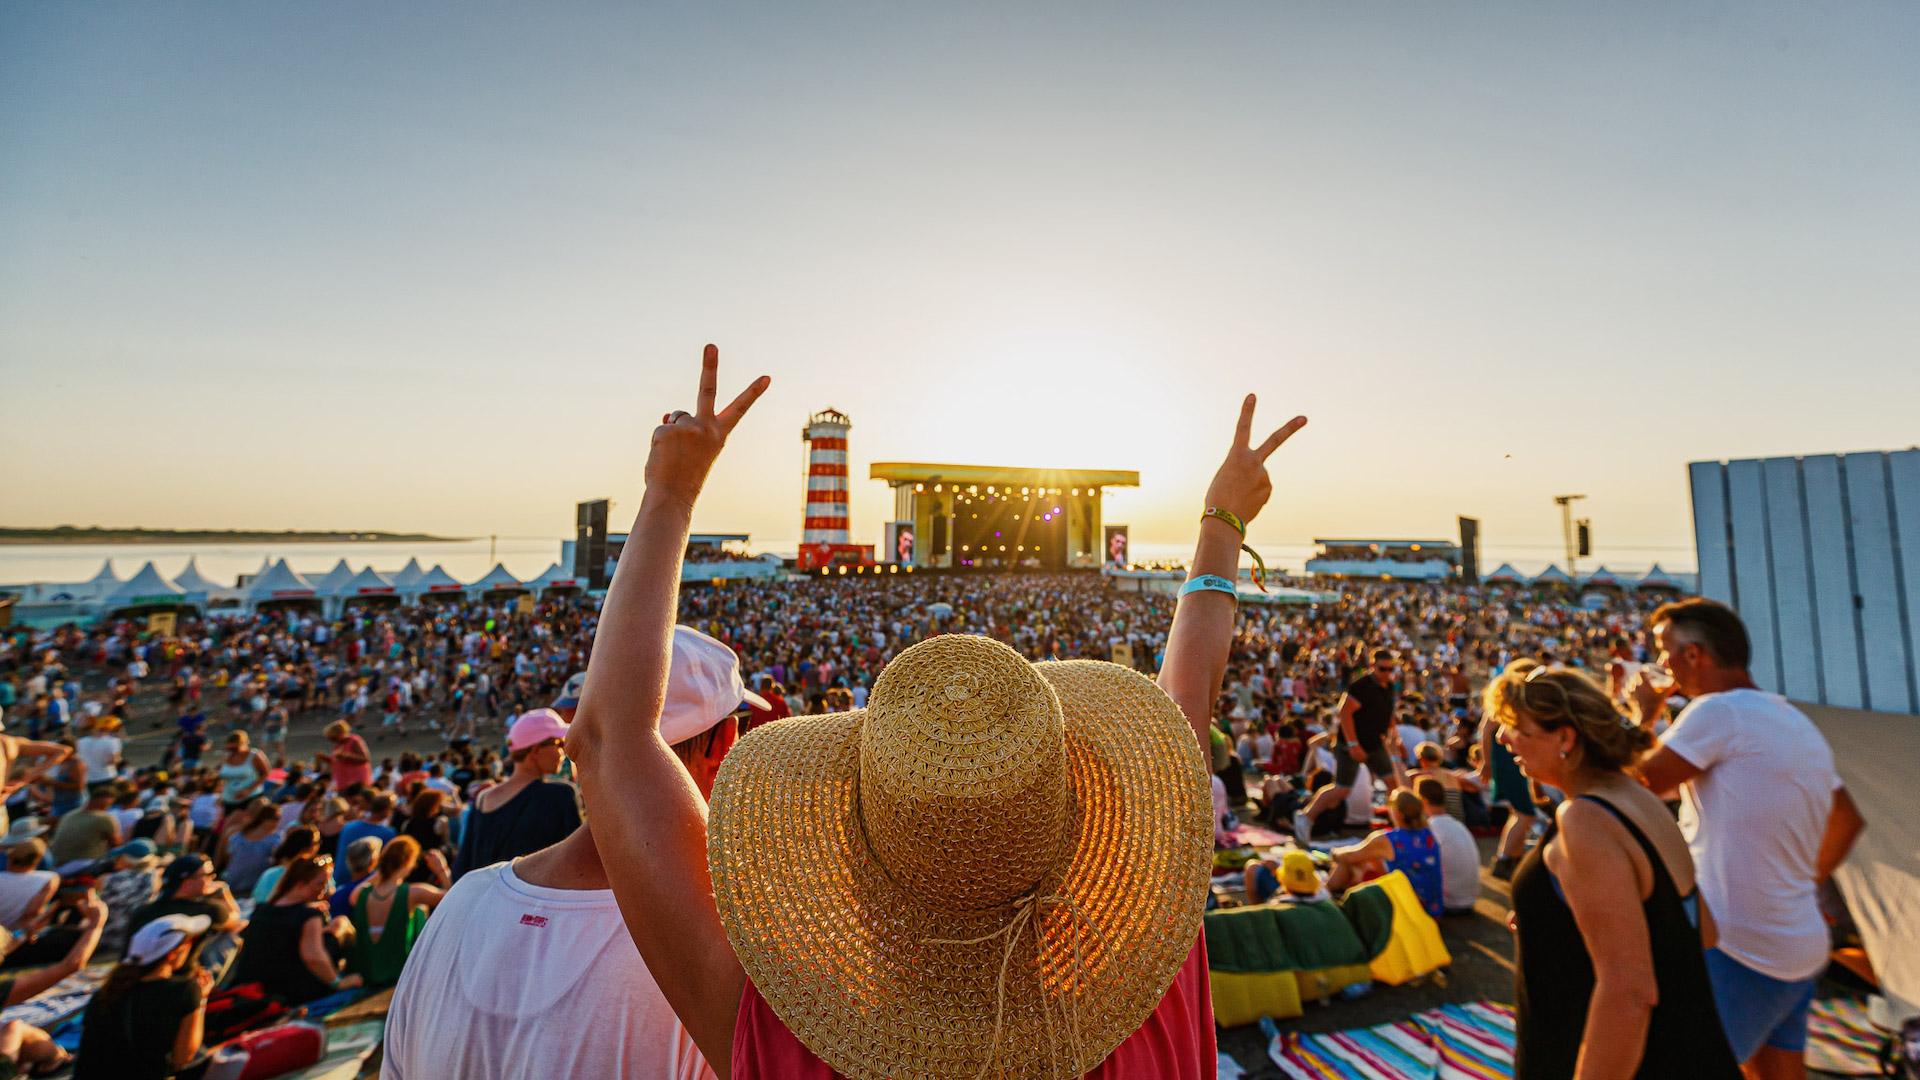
826,514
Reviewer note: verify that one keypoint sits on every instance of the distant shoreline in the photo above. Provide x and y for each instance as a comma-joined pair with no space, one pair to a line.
70,535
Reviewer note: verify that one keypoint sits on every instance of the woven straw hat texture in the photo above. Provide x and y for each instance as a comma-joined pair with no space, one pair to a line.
997,867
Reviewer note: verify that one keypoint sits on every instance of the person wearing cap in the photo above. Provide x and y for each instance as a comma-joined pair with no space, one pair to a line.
552,916
527,811
133,883
24,887
189,887
995,868
149,1019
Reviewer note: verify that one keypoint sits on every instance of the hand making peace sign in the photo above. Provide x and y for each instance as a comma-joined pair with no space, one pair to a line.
686,444
1241,485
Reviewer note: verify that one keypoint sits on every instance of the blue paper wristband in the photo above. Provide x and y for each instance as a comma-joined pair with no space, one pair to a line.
1211,583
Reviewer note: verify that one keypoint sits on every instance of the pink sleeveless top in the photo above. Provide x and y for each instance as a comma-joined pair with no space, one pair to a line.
1175,1043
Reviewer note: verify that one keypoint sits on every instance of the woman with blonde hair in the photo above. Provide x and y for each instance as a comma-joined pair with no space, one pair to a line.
1610,968
1408,847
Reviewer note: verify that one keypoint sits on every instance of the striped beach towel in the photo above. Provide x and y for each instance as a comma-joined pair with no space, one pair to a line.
1840,1040
1453,1042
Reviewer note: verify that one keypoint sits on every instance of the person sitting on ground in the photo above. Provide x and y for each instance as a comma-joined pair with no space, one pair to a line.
1610,930
528,811
363,857
378,824
189,887
1408,846
62,923
1430,764
388,912
148,1021
1459,855
300,842
133,884
85,836
247,851
819,828
24,887
1291,879
292,947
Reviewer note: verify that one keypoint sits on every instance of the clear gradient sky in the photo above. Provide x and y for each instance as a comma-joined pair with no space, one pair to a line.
441,267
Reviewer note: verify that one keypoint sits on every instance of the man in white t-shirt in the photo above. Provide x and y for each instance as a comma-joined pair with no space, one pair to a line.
1459,855
1765,817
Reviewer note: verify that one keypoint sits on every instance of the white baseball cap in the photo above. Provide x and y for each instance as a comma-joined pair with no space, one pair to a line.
163,935
703,686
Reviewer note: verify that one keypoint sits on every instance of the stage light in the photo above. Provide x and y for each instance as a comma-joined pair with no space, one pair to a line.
963,547
989,489
894,569
909,568
973,489
917,488
843,569
996,534
1003,547
1076,493
824,571
859,569
936,489
1025,491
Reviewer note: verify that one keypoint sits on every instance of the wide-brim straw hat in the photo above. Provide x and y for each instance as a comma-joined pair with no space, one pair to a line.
996,867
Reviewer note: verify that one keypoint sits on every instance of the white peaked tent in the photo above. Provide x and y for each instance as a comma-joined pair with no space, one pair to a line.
496,580
104,582
1505,575
329,583
145,589
554,578
1553,575
277,582
1658,579
194,583
407,575
1604,576
368,584
435,582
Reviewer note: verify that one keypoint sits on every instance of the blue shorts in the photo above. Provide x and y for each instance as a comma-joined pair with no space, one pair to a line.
1758,1010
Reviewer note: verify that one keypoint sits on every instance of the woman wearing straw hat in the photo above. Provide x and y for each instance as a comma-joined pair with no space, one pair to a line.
996,867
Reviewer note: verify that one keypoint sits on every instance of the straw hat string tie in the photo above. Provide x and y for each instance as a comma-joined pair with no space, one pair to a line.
1025,908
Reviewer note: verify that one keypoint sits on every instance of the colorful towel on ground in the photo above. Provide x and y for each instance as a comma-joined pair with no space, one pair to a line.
61,1000
1453,1042
1840,1039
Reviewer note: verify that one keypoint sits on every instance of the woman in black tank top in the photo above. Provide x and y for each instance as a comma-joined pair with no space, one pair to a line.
1564,731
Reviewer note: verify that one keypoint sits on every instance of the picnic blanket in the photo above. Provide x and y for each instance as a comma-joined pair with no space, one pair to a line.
1453,1042
1841,1040
64,999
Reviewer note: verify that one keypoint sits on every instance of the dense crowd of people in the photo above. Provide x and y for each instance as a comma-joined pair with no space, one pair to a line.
230,881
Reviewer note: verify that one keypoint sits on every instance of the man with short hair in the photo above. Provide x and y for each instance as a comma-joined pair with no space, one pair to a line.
87,834
190,888
1459,855
24,887
1766,819
1359,736
362,856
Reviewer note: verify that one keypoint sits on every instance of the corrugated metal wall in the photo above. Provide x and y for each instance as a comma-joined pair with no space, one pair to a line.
1821,557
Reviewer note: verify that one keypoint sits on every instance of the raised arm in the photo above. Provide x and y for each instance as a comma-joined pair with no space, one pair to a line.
648,819
1202,631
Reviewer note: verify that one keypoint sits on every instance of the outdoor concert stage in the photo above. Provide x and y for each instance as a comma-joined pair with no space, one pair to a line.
987,517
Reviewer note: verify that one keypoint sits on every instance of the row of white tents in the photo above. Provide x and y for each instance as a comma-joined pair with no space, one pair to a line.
276,583
1603,578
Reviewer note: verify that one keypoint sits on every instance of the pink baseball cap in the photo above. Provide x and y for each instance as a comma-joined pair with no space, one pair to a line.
534,727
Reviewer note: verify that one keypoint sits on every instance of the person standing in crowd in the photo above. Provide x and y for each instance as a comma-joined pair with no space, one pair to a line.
1765,817
504,917
789,839
1610,976
1500,774
527,811
1459,855
100,748
1359,736
350,762
148,1021
243,773
14,751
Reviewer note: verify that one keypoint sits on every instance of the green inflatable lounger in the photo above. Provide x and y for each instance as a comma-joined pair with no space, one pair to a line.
1269,959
